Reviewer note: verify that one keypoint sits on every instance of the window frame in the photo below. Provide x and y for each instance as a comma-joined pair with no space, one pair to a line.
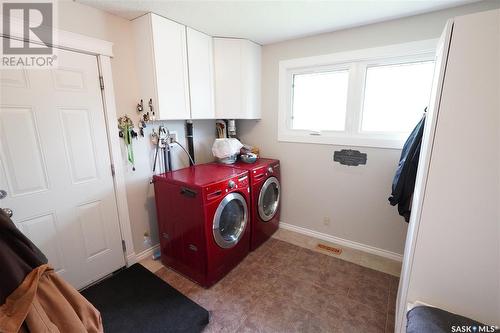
357,63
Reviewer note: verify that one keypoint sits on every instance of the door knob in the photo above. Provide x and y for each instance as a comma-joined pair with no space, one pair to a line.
3,194
8,211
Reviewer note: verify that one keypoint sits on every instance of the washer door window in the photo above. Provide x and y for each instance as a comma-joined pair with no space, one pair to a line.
230,220
269,198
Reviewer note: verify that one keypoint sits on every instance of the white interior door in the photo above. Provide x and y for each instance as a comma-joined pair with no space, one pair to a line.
55,166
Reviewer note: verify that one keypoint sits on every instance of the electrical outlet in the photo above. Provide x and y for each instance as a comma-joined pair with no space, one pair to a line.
173,136
326,220
147,241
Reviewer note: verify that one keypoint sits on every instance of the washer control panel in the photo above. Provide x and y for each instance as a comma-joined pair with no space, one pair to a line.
216,190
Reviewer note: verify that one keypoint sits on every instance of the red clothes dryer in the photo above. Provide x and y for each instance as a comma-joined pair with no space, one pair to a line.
203,217
265,190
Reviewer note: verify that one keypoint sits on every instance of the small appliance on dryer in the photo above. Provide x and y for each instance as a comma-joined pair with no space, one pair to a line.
265,191
203,219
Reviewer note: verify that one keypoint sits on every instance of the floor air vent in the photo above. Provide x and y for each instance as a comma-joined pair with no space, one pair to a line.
330,249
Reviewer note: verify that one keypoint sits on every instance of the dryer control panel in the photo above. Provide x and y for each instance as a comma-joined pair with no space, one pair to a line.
262,173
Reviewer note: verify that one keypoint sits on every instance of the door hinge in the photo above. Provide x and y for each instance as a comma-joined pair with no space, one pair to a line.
101,81
124,246
112,170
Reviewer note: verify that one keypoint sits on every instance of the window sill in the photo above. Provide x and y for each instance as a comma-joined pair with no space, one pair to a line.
356,141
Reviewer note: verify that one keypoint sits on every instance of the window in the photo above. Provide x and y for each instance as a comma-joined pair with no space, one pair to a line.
395,96
370,97
320,100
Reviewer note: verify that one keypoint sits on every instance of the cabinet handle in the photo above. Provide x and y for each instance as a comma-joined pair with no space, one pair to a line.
193,247
165,235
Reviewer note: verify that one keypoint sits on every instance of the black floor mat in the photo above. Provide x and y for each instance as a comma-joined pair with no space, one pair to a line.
136,300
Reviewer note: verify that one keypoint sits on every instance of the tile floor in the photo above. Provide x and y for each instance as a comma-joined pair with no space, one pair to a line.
362,258
285,288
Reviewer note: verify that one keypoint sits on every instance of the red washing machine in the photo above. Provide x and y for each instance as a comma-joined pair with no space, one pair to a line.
203,220
265,190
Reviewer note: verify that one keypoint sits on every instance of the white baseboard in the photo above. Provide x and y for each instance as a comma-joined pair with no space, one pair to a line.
131,259
146,253
344,242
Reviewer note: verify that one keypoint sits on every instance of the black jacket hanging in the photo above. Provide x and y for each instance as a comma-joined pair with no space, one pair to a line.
403,183
18,257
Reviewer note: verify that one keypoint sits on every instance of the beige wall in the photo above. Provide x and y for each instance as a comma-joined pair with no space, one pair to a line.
314,187
92,22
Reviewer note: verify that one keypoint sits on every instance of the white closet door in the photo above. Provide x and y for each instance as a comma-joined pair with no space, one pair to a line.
422,172
55,166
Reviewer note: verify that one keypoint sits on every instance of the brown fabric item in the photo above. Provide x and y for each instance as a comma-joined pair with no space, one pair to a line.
44,302
33,297
18,256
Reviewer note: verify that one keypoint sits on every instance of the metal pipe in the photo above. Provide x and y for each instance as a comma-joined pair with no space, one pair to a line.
165,159
169,156
190,142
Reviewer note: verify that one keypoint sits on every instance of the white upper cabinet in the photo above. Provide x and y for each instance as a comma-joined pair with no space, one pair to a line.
237,79
190,75
201,74
162,66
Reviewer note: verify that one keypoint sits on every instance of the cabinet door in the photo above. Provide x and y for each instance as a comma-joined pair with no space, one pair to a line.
171,74
200,65
237,78
145,60
251,84
228,77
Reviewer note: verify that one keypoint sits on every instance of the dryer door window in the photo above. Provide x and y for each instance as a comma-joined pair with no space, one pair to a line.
269,198
230,220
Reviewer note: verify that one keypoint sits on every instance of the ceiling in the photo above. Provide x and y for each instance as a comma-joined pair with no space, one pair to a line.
267,22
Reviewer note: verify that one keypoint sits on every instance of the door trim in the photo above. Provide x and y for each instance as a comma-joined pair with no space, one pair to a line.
103,51
115,154
65,40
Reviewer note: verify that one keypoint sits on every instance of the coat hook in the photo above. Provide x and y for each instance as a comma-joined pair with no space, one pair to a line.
140,106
